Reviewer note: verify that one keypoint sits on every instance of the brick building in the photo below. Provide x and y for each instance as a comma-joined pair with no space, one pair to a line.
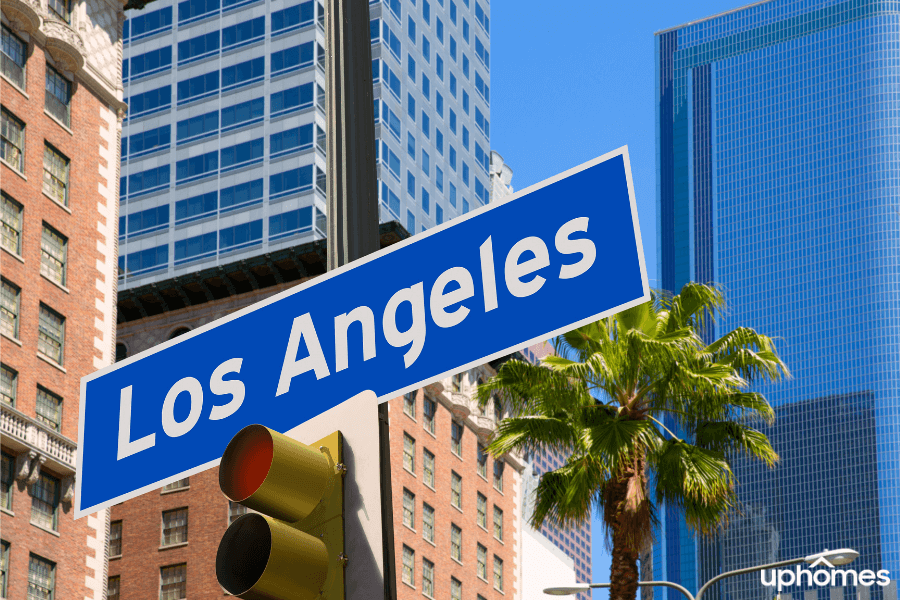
61,100
456,511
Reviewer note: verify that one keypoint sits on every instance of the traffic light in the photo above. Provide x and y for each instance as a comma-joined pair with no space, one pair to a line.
293,546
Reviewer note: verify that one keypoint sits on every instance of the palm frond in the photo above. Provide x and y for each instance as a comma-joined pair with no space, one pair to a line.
728,436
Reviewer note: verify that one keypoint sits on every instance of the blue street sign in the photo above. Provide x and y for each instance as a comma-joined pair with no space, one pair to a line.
562,253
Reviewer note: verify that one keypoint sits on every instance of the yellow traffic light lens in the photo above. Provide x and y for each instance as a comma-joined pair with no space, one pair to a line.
247,460
243,554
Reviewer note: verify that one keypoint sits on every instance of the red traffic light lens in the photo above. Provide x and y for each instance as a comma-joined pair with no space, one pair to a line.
246,462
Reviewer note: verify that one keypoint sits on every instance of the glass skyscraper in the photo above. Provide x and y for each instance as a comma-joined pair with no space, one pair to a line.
778,137
223,145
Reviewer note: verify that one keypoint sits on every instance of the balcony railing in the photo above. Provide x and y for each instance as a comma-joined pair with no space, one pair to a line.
28,431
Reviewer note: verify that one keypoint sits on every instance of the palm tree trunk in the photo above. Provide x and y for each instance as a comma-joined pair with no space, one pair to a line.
619,516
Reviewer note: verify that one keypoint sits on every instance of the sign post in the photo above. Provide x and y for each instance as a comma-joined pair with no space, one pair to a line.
557,255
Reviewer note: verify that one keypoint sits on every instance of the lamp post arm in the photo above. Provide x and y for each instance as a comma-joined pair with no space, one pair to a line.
775,565
680,588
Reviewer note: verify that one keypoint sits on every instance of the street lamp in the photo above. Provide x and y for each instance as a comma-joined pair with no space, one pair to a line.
835,558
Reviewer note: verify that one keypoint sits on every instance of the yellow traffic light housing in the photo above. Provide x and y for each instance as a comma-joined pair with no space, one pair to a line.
293,549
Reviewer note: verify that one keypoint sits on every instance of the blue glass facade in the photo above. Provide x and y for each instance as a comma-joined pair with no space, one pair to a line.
778,137
223,147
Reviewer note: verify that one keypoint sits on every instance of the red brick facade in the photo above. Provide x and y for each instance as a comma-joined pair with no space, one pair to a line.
32,446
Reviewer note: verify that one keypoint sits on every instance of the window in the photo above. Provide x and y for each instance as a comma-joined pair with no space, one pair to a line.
292,18
197,48
428,578
409,453
465,132
498,523
181,484
61,8
426,49
482,18
455,589
173,582
409,509
465,173
465,30
410,184
56,175
429,407
53,255
239,155
8,383
240,236
428,522
153,62
411,29
426,201
482,562
498,475
243,33
41,578
456,489
410,222
12,225
456,433
146,261
198,87
112,588
482,511
174,527
456,382
235,511
4,567
465,65
453,51
411,69
455,542
453,11
483,55
243,74
482,87
48,408
196,167
426,125
45,501
409,404
409,565
292,59
426,12
12,141
428,468
290,182
482,461
115,539
51,333
453,123
451,194
152,101
498,573
149,23
142,144
439,30
6,481
9,309
411,150
12,57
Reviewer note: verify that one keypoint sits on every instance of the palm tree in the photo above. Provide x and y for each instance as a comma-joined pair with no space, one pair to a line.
639,401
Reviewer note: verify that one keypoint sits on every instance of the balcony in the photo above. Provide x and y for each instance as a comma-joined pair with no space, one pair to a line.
23,432
64,45
23,15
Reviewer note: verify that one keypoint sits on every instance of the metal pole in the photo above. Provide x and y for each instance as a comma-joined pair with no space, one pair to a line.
352,189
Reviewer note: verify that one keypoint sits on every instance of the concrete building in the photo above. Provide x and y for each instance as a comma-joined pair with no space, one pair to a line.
223,156
501,176
777,181
456,510
61,100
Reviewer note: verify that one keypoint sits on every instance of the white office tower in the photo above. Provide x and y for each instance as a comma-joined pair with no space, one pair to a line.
501,176
223,148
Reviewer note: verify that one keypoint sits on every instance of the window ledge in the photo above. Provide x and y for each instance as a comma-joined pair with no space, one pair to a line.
456,507
18,257
427,541
456,455
62,287
15,87
57,202
42,528
410,472
12,339
116,557
431,433
496,589
484,477
13,169
58,122
410,528
7,511
170,546
175,491
482,527
408,584
430,487
50,361
459,562
499,540
482,578
410,416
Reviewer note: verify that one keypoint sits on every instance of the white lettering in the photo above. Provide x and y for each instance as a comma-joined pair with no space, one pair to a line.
302,328
440,301
583,246
488,278
172,427
127,447
515,270
366,319
884,578
415,335
220,387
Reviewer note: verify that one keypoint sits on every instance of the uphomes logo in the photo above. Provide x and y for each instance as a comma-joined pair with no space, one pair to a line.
826,574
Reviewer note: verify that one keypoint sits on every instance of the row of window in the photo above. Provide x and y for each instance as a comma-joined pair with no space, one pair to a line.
45,494
41,573
57,89
281,62
54,245
51,324
172,584
409,509
408,577
48,406
228,239
12,152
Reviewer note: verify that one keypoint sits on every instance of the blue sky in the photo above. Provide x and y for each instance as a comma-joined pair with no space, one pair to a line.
573,80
